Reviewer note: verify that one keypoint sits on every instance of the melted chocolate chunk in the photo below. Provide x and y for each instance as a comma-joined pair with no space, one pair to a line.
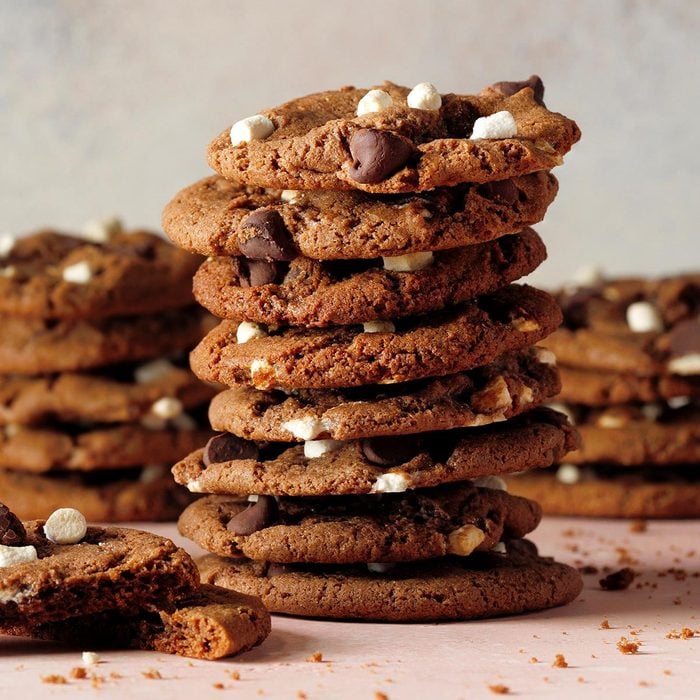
255,517
227,448
510,87
685,338
12,532
377,154
271,241
255,273
391,450
500,191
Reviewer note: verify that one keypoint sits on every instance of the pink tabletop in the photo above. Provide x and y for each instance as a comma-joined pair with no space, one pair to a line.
458,660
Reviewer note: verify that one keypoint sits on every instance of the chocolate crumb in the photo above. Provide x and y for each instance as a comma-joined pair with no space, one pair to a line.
588,570
218,686
560,662
627,646
78,672
499,689
378,695
618,580
638,526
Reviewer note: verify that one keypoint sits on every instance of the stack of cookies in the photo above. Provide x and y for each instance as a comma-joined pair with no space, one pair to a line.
96,398
381,364
630,365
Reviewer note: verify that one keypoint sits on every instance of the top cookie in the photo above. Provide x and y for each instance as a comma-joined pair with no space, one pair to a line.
56,276
320,142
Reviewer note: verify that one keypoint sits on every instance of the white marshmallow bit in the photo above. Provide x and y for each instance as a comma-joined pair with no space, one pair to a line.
152,472
374,101
391,482
8,271
195,486
253,128
588,276
91,658
563,408
167,408
102,230
289,196
500,125
65,526
12,429
568,474
318,448
409,262
78,273
545,357
253,498
652,411
642,317
380,567
378,327
7,243
491,482
677,402
306,428
10,556
686,365
153,371
247,330
499,548
610,420
424,96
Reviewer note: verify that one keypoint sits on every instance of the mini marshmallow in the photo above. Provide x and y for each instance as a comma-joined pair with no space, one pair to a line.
544,356
247,330
610,420
253,128
409,262
588,276
642,317
378,327
9,271
167,408
91,658
562,408
289,196
377,567
568,474
525,325
318,448
101,230
258,366
195,486
306,428
253,498
678,401
65,526
391,482
78,273
500,125
7,243
686,365
491,482
374,101
153,371
10,556
12,429
424,96
499,548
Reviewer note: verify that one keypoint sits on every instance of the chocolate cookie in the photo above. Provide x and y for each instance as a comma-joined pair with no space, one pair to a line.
318,142
496,392
117,394
212,623
39,346
116,496
443,343
216,217
485,584
310,293
51,275
580,386
632,326
455,519
40,449
395,464
624,495
624,435
111,569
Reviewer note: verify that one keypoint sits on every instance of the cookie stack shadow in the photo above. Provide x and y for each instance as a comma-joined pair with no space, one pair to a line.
629,353
96,398
380,360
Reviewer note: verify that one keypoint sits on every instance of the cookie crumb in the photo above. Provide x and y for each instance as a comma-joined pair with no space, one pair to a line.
638,526
560,662
152,674
580,679
315,658
301,695
618,580
378,695
218,686
684,633
534,660
78,672
627,646
588,570
604,624
54,679
499,689
667,672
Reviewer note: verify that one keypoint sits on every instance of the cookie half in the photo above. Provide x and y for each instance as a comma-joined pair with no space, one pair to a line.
452,588
507,387
310,293
456,519
118,496
52,275
212,623
444,343
216,216
536,439
43,346
318,142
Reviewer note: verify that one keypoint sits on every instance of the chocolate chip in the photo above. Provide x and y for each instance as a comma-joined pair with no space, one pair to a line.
575,306
227,448
255,273
271,240
501,191
390,451
12,532
685,338
510,87
377,154
255,517
618,580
